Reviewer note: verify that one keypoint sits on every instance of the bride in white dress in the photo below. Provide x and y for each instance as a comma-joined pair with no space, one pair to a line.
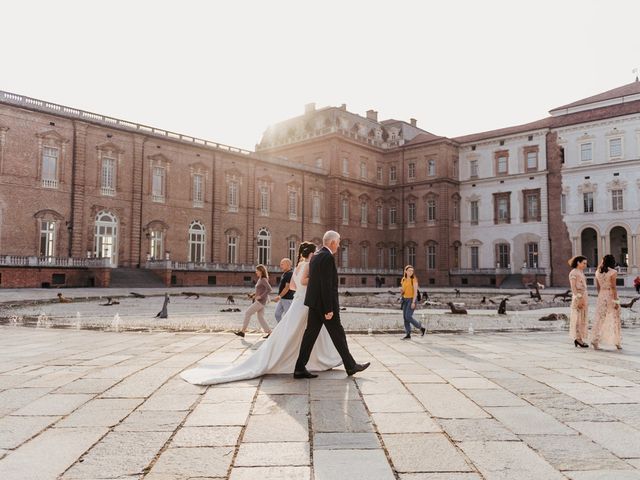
279,352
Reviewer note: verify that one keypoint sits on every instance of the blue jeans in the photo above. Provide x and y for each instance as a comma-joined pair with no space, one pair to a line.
281,308
407,313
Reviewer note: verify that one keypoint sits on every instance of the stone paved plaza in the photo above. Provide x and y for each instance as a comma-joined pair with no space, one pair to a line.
98,405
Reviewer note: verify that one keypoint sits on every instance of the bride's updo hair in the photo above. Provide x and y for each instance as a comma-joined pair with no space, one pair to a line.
305,249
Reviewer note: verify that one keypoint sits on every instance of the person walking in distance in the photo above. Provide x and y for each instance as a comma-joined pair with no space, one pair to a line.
324,309
285,292
260,299
579,323
409,291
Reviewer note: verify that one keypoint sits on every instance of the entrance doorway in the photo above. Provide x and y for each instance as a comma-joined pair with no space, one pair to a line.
106,237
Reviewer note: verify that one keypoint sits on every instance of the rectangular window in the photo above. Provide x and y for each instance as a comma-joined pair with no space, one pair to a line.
198,190
344,256
379,174
531,205
363,214
532,255
431,211
380,257
264,200
315,208
47,238
502,165
363,170
585,152
156,245
563,204
108,176
475,258
411,255
431,257
615,147
502,208
158,185
393,174
617,200
232,197
293,205
292,251
345,167
412,213
379,216
473,168
232,250
392,216
364,257
456,211
474,213
50,167
431,167
532,161
393,252
412,171
345,211
502,255
587,199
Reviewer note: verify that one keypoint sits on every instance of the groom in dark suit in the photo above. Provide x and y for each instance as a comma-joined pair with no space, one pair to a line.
324,308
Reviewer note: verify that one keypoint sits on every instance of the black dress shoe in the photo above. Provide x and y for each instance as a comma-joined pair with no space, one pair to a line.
304,374
240,334
423,330
406,337
358,368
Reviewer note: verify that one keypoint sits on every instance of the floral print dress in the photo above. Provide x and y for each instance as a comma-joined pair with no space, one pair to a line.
606,329
578,319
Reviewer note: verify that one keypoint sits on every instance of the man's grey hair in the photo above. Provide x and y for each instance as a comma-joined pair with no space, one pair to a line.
329,237
287,260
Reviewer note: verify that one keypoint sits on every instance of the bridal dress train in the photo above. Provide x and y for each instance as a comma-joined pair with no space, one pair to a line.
278,354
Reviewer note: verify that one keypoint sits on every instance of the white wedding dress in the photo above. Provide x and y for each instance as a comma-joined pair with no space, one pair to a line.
278,354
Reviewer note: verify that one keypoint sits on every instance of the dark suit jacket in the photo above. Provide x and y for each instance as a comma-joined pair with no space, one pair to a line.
322,289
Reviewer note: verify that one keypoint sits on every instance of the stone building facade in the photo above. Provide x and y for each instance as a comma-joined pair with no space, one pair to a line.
81,194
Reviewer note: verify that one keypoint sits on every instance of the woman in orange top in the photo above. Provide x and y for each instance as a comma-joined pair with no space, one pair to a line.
409,290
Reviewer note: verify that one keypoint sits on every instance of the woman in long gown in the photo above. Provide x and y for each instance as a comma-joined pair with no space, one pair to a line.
607,320
279,352
578,323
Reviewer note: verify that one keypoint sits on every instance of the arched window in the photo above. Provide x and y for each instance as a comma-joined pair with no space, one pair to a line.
197,235
264,246
106,237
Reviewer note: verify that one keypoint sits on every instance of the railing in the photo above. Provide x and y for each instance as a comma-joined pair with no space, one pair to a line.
370,271
480,271
534,271
41,105
47,183
592,270
63,262
198,204
157,198
108,191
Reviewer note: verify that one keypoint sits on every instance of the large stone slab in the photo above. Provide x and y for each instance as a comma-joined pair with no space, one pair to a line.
206,437
569,452
444,401
193,462
49,454
272,454
219,394
54,404
345,441
529,420
619,438
209,414
604,475
119,455
169,402
342,390
351,464
565,408
440,476
332,416
270,473
101,412
16,430
434,454
494,398
508,461
281,404
466,429
14,399
405,423
392,402
279,427
151,421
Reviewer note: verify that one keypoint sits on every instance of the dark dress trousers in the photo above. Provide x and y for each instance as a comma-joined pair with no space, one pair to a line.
321,298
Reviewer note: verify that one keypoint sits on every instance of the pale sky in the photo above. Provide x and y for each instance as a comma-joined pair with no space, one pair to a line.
224,71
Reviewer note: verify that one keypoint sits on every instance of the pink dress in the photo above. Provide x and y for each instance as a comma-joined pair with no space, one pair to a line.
578,323
606,329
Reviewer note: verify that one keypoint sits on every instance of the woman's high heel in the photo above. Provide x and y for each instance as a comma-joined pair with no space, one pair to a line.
578,343
619,347
575,343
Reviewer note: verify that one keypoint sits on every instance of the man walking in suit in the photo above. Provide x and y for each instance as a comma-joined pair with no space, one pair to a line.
324,309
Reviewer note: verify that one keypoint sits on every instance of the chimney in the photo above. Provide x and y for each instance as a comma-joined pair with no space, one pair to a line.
343,107
414,122
372,115
310,108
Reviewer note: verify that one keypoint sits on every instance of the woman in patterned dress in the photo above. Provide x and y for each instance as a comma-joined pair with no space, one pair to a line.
607,320
579,324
